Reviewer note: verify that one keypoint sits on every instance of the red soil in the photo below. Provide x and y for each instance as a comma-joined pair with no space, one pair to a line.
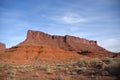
30,53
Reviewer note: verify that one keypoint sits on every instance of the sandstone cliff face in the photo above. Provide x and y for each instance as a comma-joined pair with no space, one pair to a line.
2,46
39,46
66,42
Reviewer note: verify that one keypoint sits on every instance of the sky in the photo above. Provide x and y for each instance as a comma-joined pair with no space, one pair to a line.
91,19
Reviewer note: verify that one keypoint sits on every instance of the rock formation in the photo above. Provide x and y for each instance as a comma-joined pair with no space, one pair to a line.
39,46
2,46
66,42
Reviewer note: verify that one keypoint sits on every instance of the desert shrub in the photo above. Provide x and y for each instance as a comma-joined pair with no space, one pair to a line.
23,70
81,63
1,74
107,60
60,77
11,75
44,67
113,68
94,62
116,59
48,70
81,70
80,77
7,66
1,65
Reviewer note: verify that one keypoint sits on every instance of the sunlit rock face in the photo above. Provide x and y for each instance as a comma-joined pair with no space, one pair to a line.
2,46
67,42
40,46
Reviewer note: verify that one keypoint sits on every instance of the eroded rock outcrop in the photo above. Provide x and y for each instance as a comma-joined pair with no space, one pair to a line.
67,42
2,46
39,46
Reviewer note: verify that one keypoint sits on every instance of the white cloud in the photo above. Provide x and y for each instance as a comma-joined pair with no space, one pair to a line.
69,18
112,44
72,19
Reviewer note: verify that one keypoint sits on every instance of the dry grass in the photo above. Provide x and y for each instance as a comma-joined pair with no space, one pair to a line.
65,71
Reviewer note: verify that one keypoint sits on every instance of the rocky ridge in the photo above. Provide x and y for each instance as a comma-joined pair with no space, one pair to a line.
42,47
67,42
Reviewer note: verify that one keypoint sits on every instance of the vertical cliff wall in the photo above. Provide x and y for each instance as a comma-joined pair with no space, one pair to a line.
67,42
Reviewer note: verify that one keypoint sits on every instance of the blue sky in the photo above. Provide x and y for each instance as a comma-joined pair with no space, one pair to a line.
91,19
